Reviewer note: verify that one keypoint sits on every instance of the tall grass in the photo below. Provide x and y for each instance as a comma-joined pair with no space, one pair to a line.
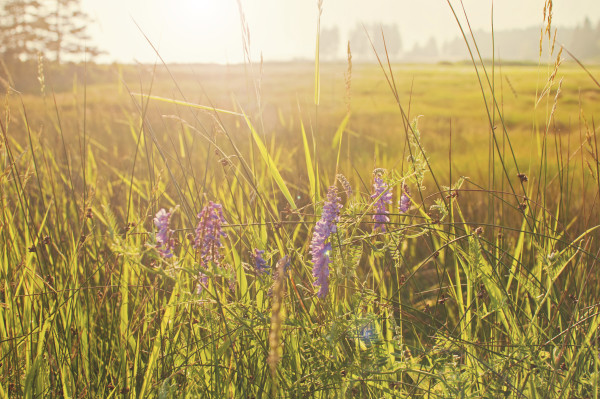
485,287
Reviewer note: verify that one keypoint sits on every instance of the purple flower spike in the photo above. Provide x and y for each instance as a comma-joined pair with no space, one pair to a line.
381,191
208,235
345,184
404,204
202,281
260,264
320,250
164,242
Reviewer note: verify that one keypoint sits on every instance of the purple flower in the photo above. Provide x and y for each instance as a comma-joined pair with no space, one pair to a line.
208,236
164,242
345,184
320,250
367,334
202,281
260,264
404,204
384,195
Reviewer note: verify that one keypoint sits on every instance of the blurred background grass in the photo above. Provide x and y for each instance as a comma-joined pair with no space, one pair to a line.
447,98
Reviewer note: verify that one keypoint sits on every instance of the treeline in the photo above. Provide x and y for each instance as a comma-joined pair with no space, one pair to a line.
509,45
37,76
583,41
43,38
51,28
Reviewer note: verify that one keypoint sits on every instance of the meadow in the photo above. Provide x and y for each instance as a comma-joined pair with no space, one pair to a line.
229,231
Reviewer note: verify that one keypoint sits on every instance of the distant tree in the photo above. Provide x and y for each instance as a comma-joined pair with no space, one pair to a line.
391,35
359,41
584,41
329,42
425,52
361,46
430,49
49,27
22,30
597,39
67,29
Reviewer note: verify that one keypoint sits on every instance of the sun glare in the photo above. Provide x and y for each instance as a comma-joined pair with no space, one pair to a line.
208,15
208,28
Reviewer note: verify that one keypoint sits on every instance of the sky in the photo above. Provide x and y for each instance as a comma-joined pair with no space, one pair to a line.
209,31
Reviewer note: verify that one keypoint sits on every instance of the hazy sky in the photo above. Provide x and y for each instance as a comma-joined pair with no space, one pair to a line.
209,30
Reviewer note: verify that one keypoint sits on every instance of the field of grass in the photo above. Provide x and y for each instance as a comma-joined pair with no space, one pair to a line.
482,284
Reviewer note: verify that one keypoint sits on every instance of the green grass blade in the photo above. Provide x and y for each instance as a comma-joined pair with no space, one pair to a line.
152,361
188,104
317,98
314,192
271,164
337,139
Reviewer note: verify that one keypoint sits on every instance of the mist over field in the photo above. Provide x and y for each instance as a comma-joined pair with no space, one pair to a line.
197,31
